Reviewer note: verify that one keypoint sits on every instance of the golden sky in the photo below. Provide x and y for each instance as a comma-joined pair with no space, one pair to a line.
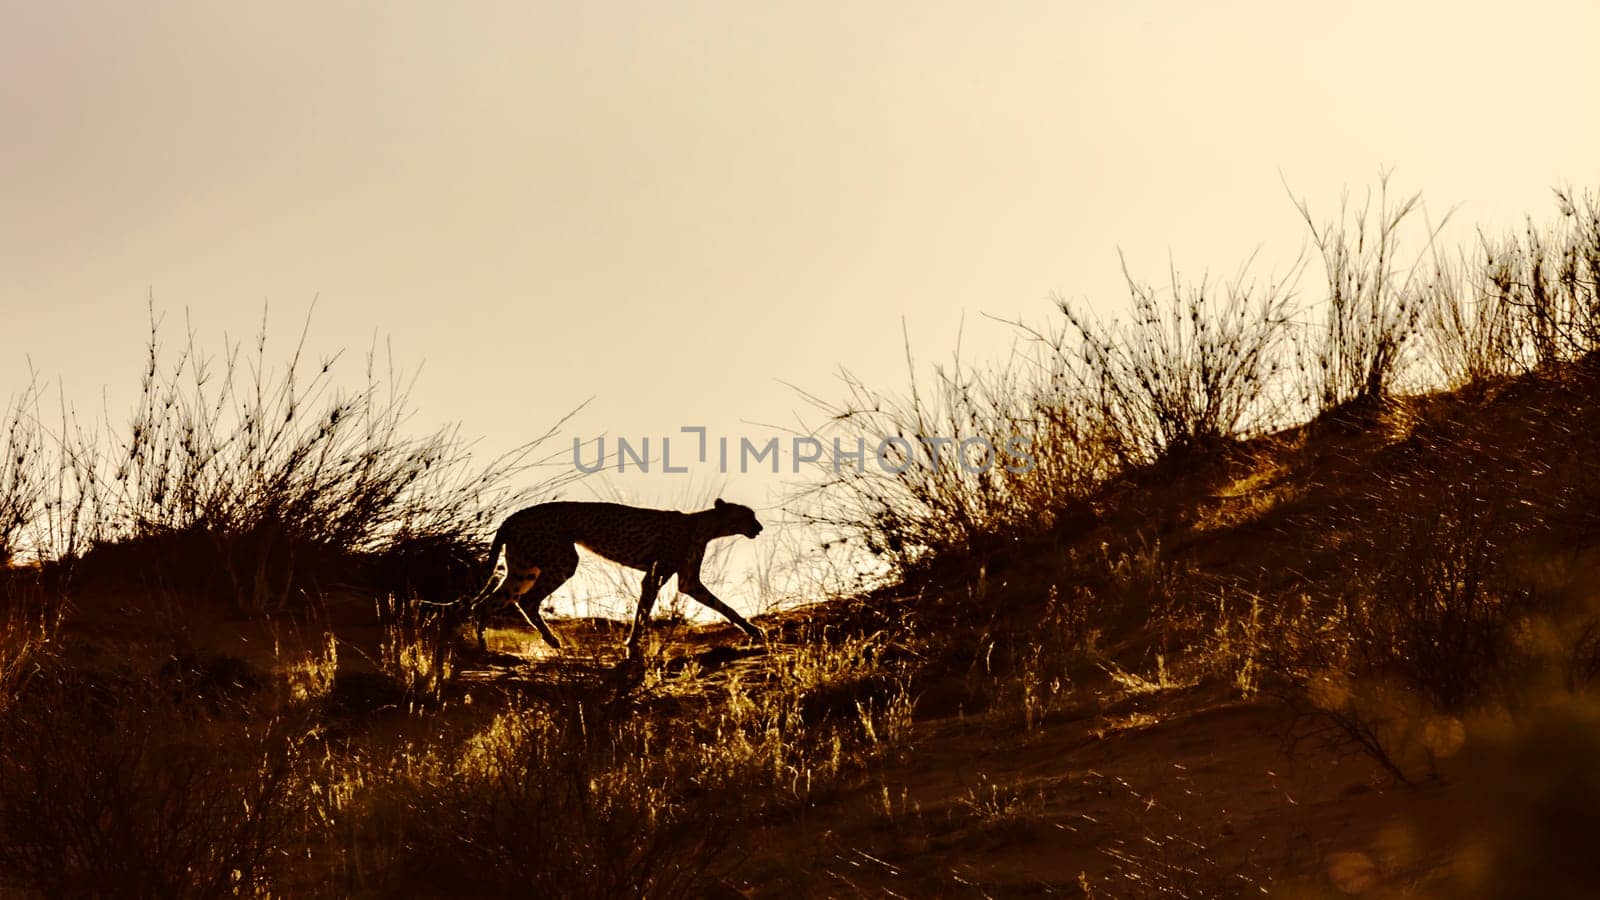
675,207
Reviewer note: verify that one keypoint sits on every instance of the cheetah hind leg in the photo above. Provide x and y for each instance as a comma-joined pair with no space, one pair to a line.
534,591
507,590
537,623
482,606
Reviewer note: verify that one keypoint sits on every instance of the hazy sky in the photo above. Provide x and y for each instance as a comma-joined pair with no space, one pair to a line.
675,207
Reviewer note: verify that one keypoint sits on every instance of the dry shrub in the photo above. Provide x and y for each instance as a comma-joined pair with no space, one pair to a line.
237,479
290,463
1550,281
1195,369
970,461
49,494
1374,300
1429,635
110,788
1443,610
1522,301
1471,332
22,487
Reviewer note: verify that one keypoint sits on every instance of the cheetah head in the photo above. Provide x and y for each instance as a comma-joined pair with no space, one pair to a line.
739,519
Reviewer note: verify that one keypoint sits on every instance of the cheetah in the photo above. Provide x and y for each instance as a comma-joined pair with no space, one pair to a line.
540,556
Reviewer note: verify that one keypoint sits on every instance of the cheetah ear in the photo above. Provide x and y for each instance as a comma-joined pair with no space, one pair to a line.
720,504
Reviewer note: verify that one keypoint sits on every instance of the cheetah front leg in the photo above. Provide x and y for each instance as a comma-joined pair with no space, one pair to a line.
689,583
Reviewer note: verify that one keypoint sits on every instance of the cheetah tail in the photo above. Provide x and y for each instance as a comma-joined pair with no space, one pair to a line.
494,559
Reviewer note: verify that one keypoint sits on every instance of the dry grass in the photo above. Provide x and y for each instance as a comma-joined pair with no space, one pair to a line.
209,777
107,785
